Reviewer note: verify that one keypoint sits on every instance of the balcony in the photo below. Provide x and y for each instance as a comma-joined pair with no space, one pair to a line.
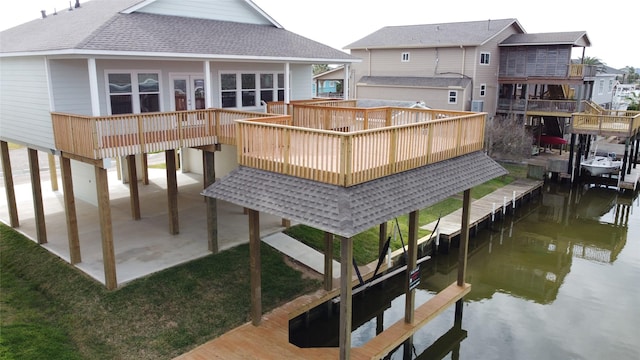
597,121
561,108
331,142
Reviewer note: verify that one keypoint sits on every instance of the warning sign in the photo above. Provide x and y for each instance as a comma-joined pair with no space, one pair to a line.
414,278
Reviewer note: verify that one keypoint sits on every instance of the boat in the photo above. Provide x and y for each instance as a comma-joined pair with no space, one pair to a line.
601,165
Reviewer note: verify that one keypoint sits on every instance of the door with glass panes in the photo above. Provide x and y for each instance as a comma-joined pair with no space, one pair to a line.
188,92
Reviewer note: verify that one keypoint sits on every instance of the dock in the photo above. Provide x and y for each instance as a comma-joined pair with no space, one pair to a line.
491,205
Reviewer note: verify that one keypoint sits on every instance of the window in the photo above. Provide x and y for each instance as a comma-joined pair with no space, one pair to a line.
484,58
610,89
601,87
453,97
132,92
483,89
405,57
250,89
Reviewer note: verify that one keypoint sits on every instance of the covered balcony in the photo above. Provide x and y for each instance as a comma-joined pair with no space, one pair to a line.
327,141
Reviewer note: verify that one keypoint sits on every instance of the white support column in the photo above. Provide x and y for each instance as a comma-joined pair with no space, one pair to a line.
93,86
287,75
208,100
345,86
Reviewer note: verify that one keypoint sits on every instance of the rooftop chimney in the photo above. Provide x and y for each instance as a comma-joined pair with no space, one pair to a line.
77,4
44,13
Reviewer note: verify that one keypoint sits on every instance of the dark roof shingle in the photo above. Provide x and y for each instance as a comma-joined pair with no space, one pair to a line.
347,211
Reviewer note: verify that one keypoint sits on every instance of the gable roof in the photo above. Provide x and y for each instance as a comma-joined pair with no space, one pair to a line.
348,211
573,38
472,33
98,28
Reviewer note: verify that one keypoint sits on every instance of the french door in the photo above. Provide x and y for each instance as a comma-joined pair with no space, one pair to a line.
188,92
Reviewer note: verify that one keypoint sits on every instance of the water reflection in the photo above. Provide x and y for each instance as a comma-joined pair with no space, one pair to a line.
519,266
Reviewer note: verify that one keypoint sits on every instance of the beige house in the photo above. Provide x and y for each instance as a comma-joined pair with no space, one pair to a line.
448,66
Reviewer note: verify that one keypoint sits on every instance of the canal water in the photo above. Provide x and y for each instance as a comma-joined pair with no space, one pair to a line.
558,279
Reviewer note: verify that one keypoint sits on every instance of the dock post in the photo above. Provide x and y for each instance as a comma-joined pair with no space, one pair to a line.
346,302
625,160
493,212
254,267
571,150
635,155
328,261
412,261
631,143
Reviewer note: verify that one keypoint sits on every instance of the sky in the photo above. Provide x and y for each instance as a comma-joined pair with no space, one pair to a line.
611,27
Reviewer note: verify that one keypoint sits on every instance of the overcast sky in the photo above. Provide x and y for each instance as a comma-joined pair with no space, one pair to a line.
612,27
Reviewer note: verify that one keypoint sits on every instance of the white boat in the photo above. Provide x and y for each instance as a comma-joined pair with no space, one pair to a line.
601,165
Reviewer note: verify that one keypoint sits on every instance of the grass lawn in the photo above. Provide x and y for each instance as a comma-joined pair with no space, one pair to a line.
50,310
365,244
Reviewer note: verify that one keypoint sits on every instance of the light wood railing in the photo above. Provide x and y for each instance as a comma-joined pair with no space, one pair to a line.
346,158
99,137
606,122
282,108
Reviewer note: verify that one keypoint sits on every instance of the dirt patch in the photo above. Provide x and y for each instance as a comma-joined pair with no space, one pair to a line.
307,273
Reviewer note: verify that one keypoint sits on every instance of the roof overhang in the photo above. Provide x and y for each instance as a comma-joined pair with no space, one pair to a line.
347,211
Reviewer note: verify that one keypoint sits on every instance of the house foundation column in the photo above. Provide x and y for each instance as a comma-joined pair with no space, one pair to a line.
70,210
106,228
346,302
53,174
134,197
208,159
36,189
172,192
254,266
8,185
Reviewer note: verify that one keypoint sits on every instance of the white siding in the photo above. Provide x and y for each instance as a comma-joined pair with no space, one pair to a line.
70,86
24,102
301,81
433,97
226,10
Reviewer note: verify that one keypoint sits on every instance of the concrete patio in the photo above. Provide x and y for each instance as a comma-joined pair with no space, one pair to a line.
142,247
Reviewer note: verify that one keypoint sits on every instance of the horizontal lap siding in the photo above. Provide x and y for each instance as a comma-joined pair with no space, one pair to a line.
70,86
24,102
225,10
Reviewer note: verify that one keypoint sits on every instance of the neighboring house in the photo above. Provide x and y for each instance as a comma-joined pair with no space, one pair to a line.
104,59
329,83
448,66
604,84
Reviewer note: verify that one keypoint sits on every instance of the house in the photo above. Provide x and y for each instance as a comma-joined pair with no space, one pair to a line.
329,83
158,66
604,85
447,66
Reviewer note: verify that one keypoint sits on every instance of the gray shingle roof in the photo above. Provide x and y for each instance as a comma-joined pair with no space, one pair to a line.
99,27
414,81
348,211
575,38
471,33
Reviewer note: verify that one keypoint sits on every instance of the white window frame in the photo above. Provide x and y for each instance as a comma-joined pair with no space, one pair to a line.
601,87
135,89
610,86
257,89
483,90
485,58
405,57
452,97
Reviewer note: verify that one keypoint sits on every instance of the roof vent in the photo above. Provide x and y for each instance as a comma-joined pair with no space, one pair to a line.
70,7
77,4
44,13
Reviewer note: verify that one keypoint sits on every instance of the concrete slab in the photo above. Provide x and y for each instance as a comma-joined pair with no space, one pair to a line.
141,247
300,252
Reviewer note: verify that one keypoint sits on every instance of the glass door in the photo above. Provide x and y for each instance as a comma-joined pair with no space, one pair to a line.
188,92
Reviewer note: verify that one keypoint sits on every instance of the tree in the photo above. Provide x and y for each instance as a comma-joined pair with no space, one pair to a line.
320,68
634,101
631,75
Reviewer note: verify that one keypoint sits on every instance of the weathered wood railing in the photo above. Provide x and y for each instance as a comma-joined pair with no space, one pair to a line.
99,137
353,157
552,106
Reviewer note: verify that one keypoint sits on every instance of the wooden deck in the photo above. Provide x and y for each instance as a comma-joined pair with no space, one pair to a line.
481,209
270,340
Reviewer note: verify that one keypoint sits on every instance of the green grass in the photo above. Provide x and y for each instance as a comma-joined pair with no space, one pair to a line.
365,244
51,310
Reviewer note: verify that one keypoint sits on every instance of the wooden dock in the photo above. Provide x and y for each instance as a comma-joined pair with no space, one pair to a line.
630,181
482,209
270,340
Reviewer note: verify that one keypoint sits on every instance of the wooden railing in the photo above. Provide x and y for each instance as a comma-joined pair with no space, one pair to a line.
99,137
552,106
346,158
582,70
597,121
280,107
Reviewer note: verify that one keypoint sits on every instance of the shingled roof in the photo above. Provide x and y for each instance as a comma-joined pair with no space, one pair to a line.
574,38
347,211
98,27
473,33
